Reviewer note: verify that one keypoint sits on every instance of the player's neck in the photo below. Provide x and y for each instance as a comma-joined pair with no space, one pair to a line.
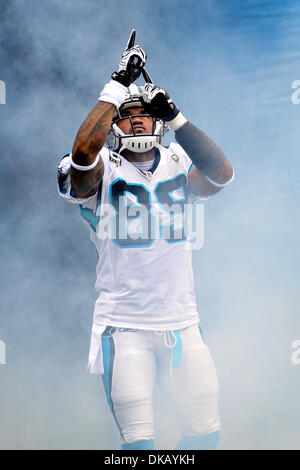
138,157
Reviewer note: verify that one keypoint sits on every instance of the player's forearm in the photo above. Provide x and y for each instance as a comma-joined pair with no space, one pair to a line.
92,133
86,183
207,157
88,142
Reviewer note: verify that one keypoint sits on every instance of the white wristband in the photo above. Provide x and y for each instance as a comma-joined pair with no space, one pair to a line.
177,122
85,167
114,93
219,185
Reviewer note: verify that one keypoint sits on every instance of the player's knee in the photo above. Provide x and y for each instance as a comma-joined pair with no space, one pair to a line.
201,416
136,431
136,420
202,425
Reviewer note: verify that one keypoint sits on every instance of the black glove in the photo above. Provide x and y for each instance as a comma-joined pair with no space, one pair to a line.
131,65
157,102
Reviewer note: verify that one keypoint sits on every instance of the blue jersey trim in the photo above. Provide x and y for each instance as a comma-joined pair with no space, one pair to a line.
89,215
156,160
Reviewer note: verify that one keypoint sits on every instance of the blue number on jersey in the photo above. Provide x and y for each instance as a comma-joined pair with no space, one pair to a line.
165,192
124,237
172,195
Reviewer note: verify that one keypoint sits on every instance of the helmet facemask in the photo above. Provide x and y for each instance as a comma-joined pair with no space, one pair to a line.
135,142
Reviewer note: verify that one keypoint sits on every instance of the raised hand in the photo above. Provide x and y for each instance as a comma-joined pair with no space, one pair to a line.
131,64
158,103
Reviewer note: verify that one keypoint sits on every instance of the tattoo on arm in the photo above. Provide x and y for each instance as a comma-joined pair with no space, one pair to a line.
92,133
88,142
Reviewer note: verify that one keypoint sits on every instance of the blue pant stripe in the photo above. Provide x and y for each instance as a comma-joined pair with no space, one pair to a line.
139,445
177,350
206,442
108,351
201,333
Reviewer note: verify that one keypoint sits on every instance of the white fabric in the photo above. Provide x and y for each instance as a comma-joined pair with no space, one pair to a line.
64,187
219,185
114,93
138,358
177,122
85,167
146,287
147,165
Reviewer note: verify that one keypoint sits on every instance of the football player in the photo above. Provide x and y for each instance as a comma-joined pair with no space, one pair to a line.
132,192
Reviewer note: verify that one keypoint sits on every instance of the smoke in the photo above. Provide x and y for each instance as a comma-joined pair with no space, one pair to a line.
229,66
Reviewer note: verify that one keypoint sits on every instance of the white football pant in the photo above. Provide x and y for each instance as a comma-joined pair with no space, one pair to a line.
135,359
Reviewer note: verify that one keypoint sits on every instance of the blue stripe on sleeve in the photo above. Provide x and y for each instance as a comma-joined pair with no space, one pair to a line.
191,167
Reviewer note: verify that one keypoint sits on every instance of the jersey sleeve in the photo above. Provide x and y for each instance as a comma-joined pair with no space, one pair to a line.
187,164
184,158
89,206
64,182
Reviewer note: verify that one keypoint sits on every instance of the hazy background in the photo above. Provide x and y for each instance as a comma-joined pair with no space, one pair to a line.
229,65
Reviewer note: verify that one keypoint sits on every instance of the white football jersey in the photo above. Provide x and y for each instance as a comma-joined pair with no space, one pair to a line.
144,271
